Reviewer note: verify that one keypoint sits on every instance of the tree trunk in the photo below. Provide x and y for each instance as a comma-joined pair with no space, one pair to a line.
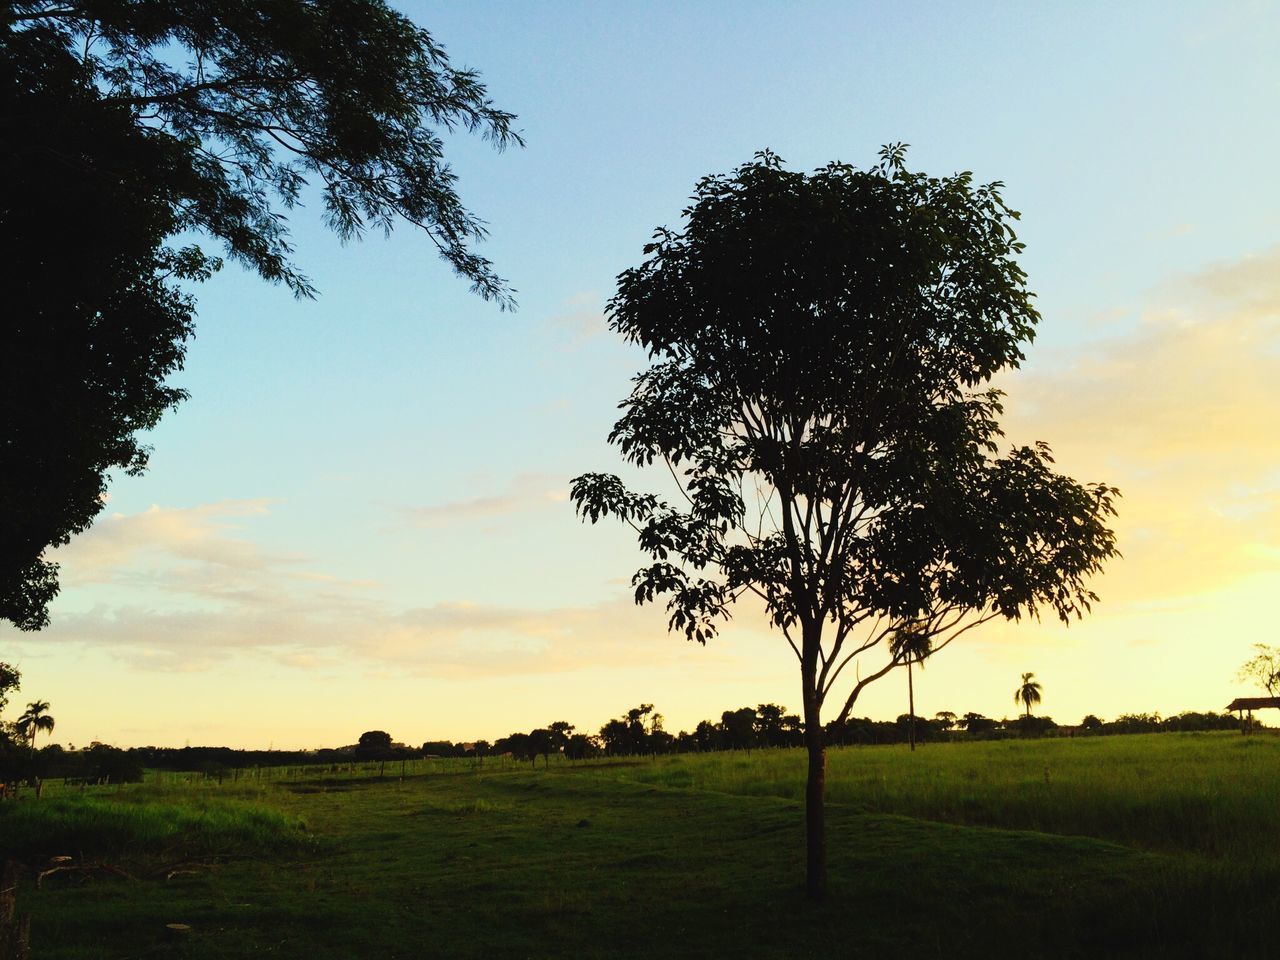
815,739
815,815
911,709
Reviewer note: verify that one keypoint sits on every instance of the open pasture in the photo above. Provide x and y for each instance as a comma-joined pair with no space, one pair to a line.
1140,847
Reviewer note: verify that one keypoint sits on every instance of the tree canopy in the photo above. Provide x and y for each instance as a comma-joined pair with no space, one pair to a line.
1263,668
821,347
1028,692
129,127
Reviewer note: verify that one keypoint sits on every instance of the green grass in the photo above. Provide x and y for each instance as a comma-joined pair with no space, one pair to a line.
703,857
1211,794
144,821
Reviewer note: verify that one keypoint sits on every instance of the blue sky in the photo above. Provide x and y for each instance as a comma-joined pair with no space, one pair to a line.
359,518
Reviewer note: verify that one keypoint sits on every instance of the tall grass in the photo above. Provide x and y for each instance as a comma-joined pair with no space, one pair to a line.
142,821
1215,794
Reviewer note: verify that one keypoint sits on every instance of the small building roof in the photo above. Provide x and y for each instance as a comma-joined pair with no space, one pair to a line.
1253,703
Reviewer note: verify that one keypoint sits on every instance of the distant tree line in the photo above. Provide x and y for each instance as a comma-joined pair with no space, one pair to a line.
637,732
640,732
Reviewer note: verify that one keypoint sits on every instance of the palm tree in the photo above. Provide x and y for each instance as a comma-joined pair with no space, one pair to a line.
911,645
35,719
1027,693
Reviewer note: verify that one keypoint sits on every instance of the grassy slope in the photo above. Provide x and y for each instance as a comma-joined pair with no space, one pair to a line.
590,862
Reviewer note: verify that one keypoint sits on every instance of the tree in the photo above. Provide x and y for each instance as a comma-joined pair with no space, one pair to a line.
740,728
581,747
976,723
1028,692
1263,669
373,745
34,720
911,645
144,121
820,350
543,741
10,680
561,731
520,745
945,719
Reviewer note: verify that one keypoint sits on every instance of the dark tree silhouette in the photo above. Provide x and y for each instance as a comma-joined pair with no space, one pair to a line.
543,742
139,122
35,719
373,745
1263,668
521,746
561,730
740,728
10,680
581,747
638,731
911,645
976,723
1028,693
821,347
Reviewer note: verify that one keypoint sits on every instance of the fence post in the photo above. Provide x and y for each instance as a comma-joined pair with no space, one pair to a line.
15,932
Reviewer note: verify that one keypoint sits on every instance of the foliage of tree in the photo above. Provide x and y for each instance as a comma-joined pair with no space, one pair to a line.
373,745
976,723
911,645
35,719
821,348
1028,692
581,746
128,125
542,742
1263,668
92,328
10,680
638,731
519,745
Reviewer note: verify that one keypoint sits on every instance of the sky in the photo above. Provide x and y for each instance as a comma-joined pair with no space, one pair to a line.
360,518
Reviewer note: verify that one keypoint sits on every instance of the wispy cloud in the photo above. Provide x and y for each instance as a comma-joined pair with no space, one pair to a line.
528,492
188,588
580,320
1180,413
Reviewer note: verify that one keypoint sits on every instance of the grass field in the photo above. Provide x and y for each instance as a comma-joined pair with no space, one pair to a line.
1163,845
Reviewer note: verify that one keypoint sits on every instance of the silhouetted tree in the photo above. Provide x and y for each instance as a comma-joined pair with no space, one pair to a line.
144,121
560,733
521,746
1263,669
976,723
911,644
10,680
637,731
1028,692
1091,724
579,746
946,719
820,346
707,736
740,728
777,728
543,741
35,719
373,745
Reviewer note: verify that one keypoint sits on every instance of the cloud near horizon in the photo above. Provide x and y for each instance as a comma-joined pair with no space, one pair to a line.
187,588
1178,411
1180,414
